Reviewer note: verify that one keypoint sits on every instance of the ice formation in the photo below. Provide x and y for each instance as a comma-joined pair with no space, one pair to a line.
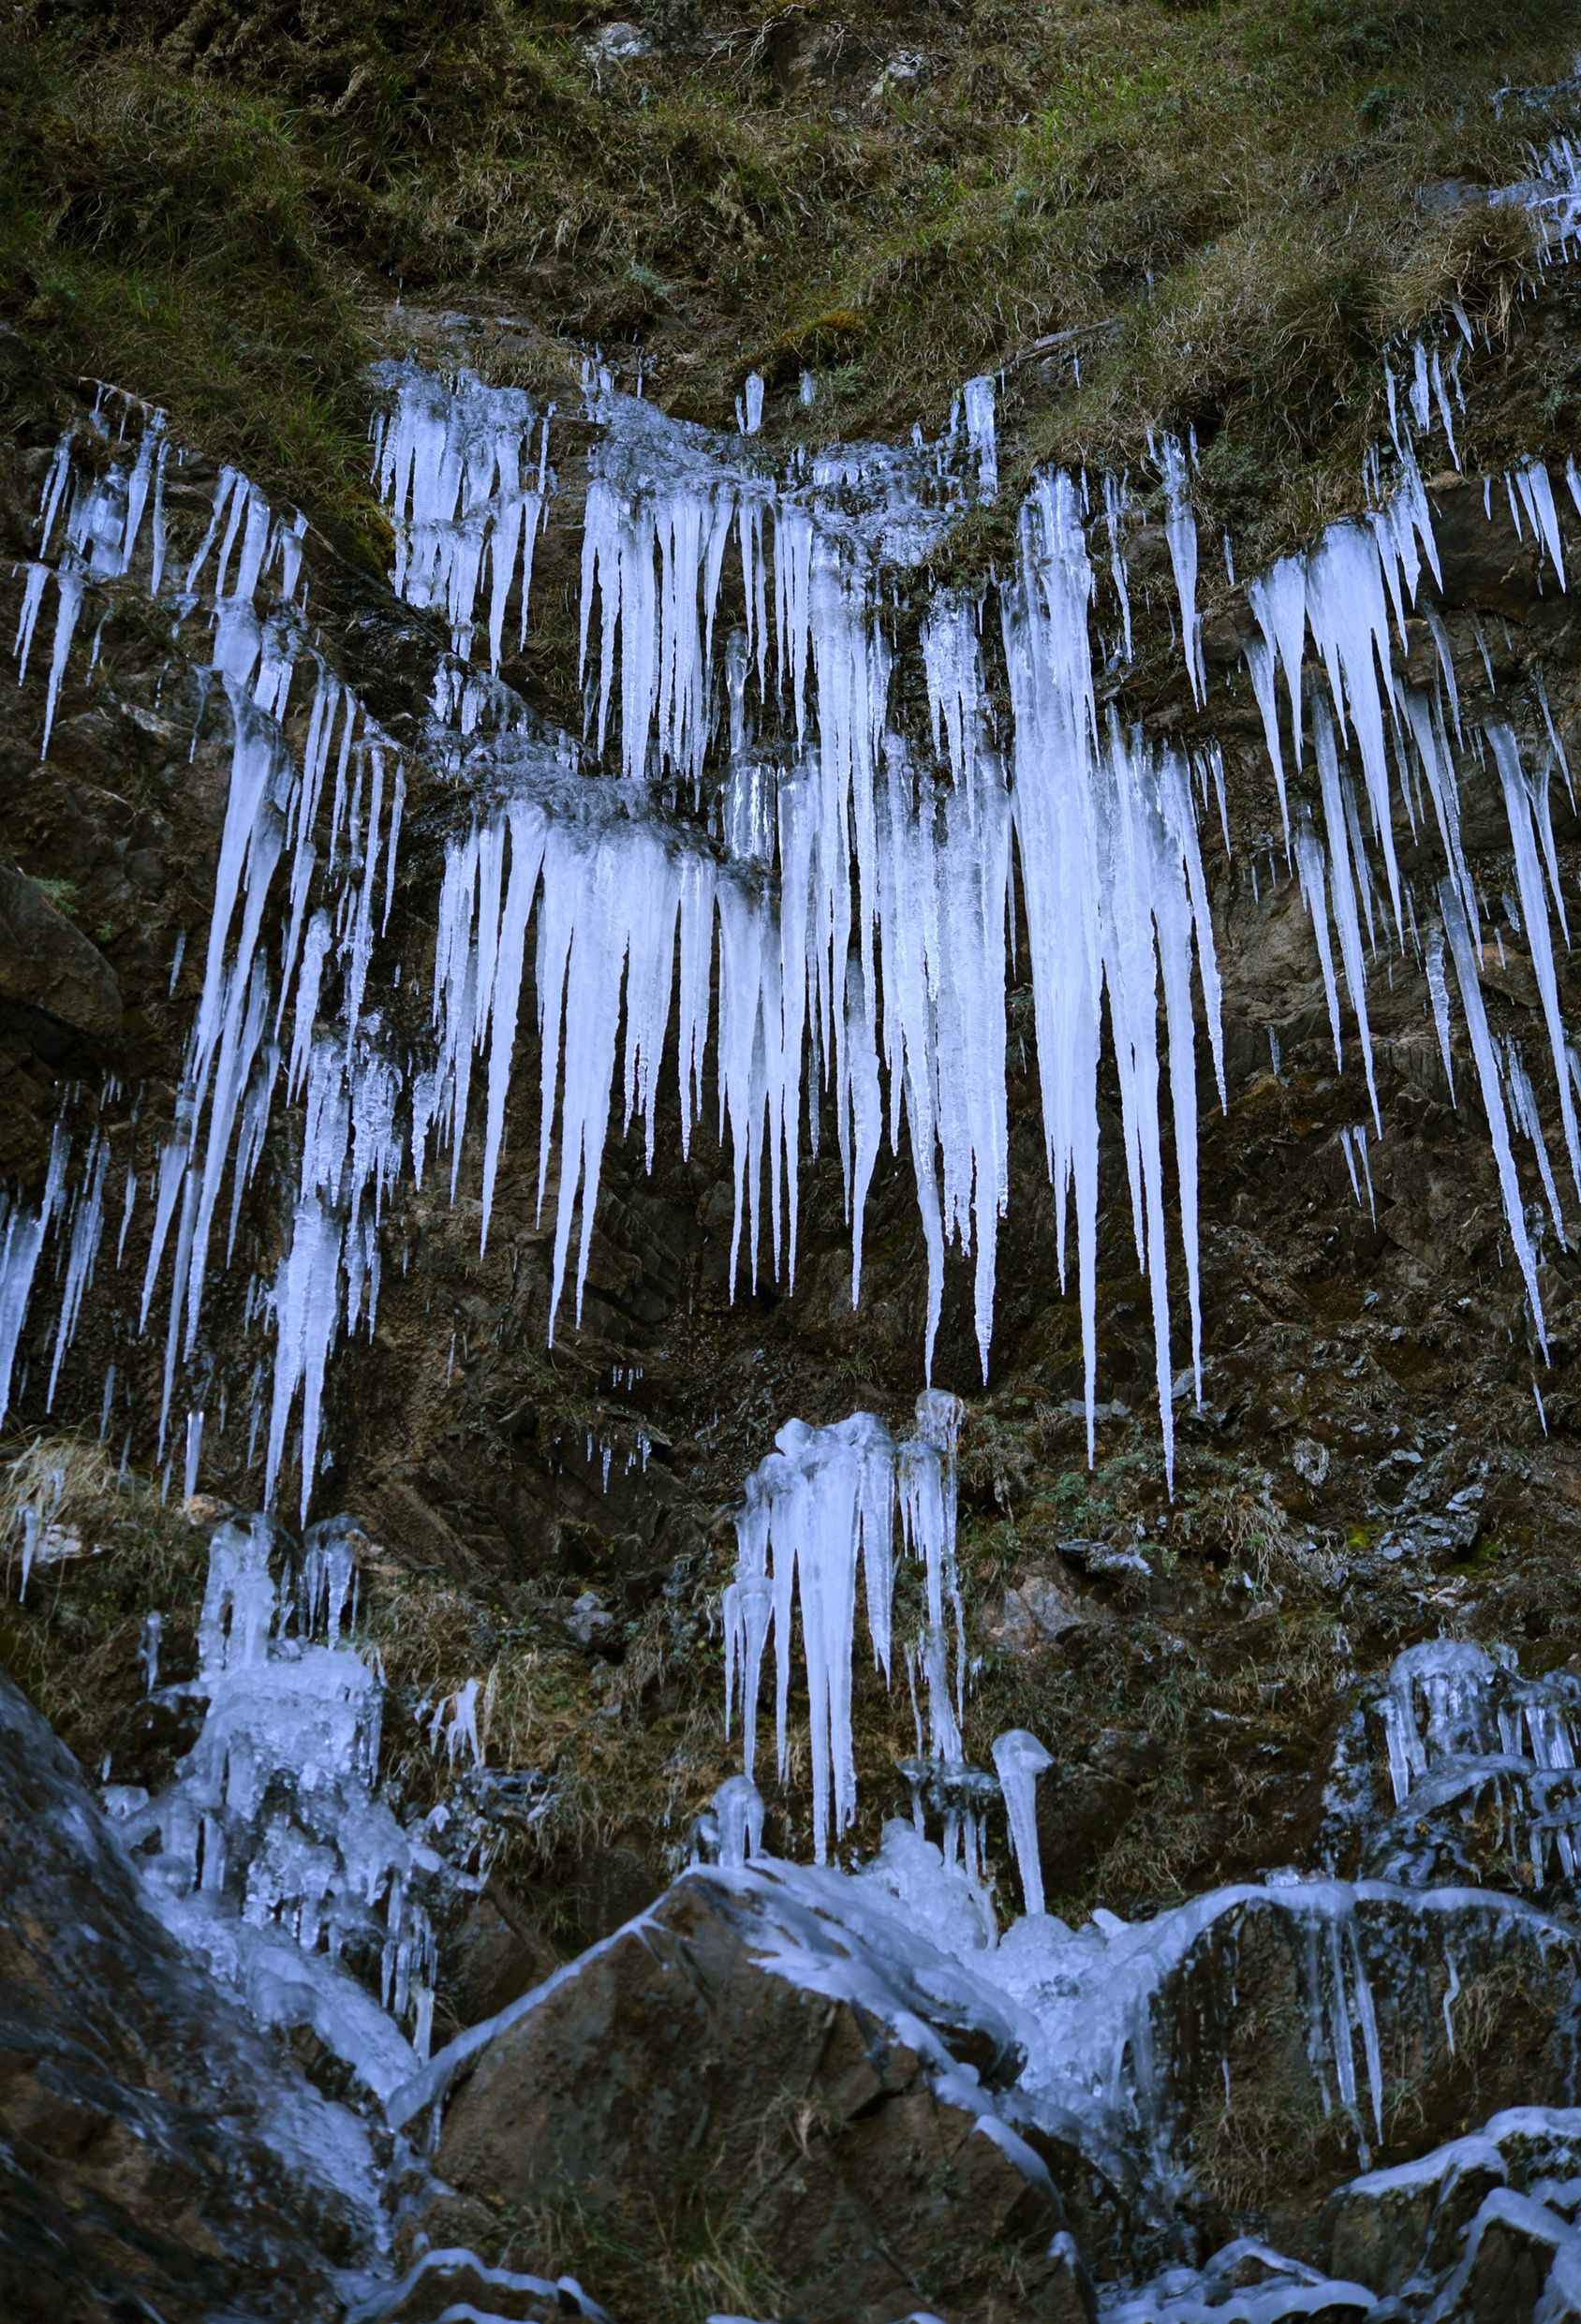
1108,2022
827,1518
1019,1760
820,1511
1466,1746
1093,2043
760,852
427,2284
766,847
273,1853
467,486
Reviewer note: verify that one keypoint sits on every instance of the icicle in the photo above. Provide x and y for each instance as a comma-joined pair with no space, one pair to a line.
1019,1760
1535,913
1180,530
1483,1052
453,465
738,1807
977,400
455,1724
194,1453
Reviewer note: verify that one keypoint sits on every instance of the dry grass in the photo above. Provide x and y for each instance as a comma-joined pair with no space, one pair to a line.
71,1638
1222,201
693,2257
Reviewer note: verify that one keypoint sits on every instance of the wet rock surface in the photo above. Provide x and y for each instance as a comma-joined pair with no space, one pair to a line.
53,983
158,2153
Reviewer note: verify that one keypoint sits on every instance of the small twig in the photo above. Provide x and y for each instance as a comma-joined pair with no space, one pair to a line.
1057,339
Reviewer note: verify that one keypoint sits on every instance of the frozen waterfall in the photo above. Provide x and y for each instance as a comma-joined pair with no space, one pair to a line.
764,857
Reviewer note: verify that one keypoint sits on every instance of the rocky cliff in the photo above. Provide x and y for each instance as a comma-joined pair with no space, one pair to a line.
716,718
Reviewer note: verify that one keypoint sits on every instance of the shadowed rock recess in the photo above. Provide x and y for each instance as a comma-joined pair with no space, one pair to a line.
789,1163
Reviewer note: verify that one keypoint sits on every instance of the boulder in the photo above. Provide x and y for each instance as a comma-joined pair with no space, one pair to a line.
711,2075
1482,2230
1033,1614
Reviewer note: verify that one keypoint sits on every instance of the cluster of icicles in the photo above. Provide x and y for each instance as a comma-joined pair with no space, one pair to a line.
772,865
820,1510
274,1853
1094,2010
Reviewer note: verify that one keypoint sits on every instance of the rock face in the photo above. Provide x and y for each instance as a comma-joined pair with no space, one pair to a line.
672,2077
53,983
157,2154
1481,2231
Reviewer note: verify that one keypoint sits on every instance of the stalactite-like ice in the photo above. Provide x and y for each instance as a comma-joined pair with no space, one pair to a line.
786,839
820,1510
466,485
1019,1760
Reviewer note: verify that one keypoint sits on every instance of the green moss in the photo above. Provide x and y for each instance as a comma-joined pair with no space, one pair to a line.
163,234
62,894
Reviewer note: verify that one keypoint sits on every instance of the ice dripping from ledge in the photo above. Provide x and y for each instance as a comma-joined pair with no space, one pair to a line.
815,889
463,471
821,1514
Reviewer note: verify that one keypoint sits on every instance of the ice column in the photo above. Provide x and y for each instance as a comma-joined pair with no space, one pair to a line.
1019,1760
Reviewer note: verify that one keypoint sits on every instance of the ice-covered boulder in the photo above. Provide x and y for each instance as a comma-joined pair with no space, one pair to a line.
737,2053
1482,2230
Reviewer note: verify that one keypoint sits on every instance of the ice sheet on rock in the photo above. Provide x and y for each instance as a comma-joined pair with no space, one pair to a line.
1245,2281
1109,2019
1470,1747
425,2284
853,1937
1523,2166
1102,2001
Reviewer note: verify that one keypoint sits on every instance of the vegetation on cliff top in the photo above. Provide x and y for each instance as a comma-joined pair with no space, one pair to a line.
219,204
